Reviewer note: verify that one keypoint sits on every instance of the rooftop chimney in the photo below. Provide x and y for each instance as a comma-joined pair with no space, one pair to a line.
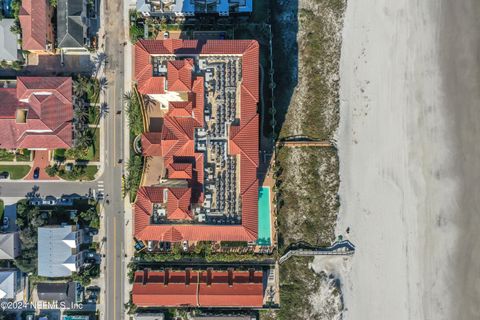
145,276
230,277
251,273
187,276
209,277
166,277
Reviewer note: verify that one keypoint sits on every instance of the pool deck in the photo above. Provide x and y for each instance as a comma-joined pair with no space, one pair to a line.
270,183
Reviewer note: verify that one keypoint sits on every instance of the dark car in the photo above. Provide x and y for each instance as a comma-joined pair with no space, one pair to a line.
36,173
4,175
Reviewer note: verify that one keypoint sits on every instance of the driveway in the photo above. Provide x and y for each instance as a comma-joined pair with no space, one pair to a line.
11,213
41,159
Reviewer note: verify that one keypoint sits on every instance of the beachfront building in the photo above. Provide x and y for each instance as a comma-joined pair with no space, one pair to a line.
201,144
59,253
188,288
36,22
187,8
36,113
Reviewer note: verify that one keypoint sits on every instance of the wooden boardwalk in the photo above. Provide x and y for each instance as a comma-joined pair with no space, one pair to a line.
340,248
303,141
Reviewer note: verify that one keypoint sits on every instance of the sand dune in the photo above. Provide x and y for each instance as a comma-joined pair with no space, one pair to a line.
410,158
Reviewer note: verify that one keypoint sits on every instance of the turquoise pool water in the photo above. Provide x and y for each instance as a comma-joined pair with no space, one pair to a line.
264,217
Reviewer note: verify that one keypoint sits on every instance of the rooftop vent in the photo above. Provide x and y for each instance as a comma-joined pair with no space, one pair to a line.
230,277
166,278
187,276
209,277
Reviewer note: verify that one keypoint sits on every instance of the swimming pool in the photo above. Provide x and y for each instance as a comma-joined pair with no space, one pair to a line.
264,217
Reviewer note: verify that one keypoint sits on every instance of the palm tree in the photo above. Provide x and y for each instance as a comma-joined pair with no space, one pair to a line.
148,102
127,97
83,139
99,60
103,110
81,113
79,87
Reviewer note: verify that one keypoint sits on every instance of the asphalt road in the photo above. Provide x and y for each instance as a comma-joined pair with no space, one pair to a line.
114,137
17,189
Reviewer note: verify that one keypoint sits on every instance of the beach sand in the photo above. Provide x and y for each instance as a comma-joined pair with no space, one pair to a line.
410,159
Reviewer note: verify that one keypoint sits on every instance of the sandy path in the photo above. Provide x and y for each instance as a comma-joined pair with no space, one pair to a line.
410,158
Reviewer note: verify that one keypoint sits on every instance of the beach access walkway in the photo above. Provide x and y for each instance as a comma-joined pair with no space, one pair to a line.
340,248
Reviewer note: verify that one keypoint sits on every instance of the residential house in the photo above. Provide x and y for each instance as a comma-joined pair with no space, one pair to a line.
9,245
66,292
72,25
192,7
59,253
36,113
10,284
8,41
36,22
212,289
209,155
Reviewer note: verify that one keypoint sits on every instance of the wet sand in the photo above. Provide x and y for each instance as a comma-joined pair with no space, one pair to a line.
410,159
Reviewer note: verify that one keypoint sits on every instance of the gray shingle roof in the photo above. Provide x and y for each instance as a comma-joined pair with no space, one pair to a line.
9,246
49,291
7,284
70,27
54,251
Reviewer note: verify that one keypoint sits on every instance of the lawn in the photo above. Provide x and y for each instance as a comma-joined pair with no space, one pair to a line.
82,173
16,172
6,155
90,154
23,155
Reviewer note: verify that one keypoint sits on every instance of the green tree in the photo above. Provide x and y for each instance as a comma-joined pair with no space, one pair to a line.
52,170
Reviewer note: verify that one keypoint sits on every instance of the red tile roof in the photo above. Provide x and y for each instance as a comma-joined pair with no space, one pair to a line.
178,130
34,18
49,113
151,144
180,109
180,171
198,289
179,75
178,204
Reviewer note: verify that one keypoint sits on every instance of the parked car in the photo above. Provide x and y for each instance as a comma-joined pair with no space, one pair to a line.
4,175
36,173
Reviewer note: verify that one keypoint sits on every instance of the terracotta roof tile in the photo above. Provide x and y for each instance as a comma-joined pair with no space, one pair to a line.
190,288
48,102
179,75
151,144
34,22
180,171
177,133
